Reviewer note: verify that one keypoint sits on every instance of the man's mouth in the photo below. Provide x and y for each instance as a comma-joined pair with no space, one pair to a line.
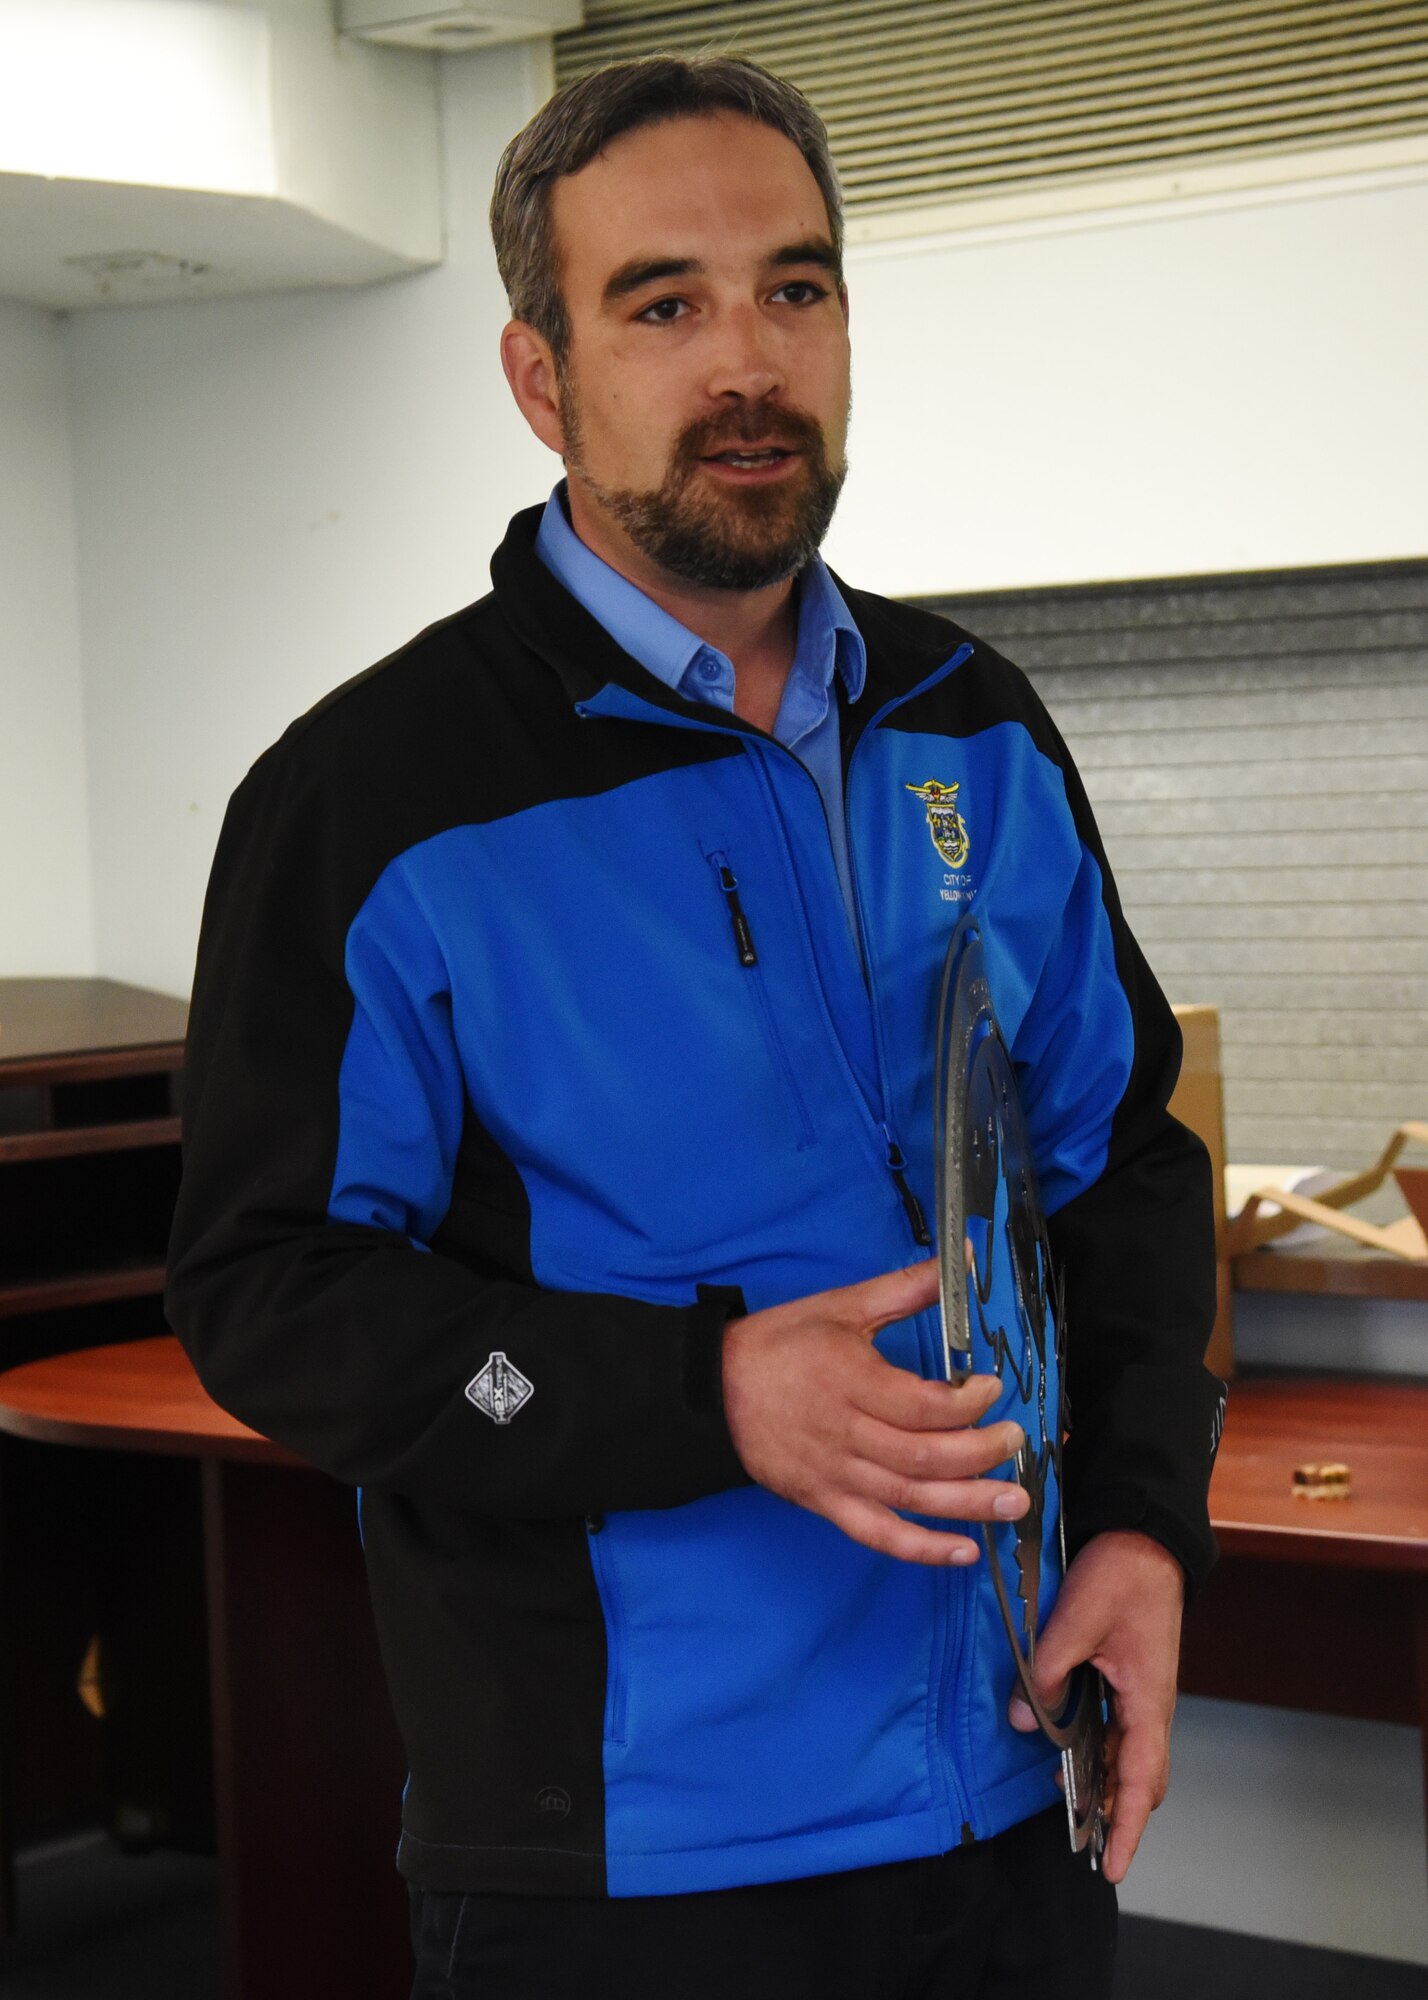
750,457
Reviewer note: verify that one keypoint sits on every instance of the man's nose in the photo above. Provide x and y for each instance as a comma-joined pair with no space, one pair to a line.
747,363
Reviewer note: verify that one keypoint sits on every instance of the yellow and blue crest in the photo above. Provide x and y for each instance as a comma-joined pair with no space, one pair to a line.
946,825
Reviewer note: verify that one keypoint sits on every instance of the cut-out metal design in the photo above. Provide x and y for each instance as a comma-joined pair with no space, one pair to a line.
1002,1313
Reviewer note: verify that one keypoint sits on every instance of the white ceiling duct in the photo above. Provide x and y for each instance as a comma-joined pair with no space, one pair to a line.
460,24
169,148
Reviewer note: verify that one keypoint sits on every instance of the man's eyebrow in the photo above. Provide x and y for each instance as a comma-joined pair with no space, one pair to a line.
646,271
641,271
812,250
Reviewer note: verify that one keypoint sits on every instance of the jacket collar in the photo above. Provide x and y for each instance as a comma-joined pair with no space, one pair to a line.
903,646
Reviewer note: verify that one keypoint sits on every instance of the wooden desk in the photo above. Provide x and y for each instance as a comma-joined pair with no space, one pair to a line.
90,1088
1333,1267
1317,1605
308,1768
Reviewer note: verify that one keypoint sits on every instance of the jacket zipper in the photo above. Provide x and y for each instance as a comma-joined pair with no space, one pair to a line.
608,1584
743,936
897,1167
954,1584
748,957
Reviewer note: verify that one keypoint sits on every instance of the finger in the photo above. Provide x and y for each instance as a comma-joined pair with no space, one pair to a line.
944,1499
879,1528
961,1452
1134,1801
1020,1714
911,1402
1142,1755
1070,1639
893,1295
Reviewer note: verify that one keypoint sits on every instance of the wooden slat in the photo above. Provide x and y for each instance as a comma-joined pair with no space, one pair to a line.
66,1143
58,1292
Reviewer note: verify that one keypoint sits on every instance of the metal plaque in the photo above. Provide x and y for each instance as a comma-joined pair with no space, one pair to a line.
1002,1314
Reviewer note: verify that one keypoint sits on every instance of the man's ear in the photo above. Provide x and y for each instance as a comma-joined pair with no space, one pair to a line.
530,370
843,299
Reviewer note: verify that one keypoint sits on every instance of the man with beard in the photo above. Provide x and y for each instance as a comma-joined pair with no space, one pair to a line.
558,1157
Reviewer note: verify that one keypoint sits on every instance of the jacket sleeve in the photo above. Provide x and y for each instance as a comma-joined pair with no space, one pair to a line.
1130,1219
302,1278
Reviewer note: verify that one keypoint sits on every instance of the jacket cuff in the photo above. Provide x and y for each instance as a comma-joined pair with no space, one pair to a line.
1192,1544
704,1346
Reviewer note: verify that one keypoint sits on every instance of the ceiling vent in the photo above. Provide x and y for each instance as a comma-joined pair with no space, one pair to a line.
460,24
946,113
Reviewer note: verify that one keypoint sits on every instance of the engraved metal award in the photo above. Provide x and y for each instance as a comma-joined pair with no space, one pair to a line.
1001,1313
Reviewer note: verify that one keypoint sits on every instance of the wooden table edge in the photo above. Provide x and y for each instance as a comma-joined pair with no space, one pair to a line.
234,1444
1324,1548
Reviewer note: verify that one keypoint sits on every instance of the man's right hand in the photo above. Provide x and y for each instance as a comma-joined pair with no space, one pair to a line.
817,1415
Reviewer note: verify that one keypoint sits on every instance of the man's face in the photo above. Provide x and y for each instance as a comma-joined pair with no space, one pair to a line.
705,316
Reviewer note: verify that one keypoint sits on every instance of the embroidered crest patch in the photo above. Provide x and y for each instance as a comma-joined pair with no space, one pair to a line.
500,1389
946,825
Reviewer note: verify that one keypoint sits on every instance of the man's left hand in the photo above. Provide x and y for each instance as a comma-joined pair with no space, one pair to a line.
1120,1609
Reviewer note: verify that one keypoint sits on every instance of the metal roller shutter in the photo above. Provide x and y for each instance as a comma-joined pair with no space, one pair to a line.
931,102
1256,752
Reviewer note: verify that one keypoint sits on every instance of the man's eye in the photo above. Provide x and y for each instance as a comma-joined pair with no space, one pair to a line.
810,291
662,312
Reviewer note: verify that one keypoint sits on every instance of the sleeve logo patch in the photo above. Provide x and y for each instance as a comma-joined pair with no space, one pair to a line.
500,1389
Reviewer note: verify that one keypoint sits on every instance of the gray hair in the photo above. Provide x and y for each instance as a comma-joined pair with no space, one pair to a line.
574,125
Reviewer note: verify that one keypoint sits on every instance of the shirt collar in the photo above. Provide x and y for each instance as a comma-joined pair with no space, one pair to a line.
827,635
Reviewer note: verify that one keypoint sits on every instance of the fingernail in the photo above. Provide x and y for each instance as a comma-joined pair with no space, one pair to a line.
1010,1503
962,1552
1016,1438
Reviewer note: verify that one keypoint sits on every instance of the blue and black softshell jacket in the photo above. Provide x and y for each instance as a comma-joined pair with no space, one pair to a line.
530,1043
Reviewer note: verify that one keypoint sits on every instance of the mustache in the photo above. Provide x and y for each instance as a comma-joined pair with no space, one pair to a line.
792,429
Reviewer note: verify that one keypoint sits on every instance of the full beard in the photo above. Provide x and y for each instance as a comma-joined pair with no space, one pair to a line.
739,538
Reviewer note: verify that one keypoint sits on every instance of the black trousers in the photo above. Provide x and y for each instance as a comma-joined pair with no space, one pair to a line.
1019,1917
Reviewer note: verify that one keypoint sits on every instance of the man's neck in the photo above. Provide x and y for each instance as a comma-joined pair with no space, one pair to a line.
756,629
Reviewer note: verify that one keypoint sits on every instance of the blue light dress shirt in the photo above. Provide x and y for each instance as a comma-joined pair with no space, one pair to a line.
828,642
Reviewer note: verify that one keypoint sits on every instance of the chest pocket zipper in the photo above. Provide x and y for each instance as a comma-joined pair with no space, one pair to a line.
746,951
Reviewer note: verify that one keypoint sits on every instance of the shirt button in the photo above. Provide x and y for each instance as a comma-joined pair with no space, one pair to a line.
709,669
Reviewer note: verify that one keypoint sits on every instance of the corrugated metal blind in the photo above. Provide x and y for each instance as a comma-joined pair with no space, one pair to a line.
926,100
1256,752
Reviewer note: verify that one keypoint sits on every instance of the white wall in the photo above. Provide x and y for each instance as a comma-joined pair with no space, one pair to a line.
1306,1827
46,912
1190,392
272,494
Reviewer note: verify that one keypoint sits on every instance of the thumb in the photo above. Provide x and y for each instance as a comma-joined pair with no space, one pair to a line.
892,1295
1065,1645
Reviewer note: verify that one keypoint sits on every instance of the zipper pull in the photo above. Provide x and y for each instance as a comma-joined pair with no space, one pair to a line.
743,936
897,1167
